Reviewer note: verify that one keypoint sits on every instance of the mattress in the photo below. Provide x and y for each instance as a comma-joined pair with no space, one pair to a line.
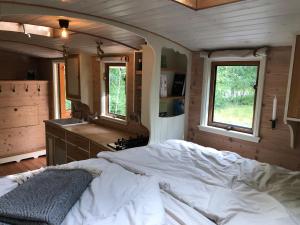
181,183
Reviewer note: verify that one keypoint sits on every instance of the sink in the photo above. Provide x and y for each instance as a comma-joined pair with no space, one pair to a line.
68,122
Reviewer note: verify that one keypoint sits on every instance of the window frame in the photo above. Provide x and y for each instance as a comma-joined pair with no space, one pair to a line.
206,61
214,66
106,79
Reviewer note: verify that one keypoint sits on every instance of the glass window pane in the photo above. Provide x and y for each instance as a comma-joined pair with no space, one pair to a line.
235,95
117,90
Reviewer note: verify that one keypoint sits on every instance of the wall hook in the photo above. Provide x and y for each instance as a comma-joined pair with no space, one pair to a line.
0,88
39,88
13,88
26,89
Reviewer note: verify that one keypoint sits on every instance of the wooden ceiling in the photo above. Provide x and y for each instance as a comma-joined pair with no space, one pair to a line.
242,24
83,37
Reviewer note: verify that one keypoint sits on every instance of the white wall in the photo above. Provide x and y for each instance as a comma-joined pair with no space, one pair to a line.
161,128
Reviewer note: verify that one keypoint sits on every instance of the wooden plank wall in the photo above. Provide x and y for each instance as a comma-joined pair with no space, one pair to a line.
274,145
23,108
15,66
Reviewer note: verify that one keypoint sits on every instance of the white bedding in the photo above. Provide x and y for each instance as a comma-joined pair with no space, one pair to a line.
117,197
223,186
198,186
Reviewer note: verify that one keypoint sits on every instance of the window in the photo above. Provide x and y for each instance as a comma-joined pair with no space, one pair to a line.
232,95
115,88
65,104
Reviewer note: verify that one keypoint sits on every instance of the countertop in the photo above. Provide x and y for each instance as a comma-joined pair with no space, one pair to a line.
99,134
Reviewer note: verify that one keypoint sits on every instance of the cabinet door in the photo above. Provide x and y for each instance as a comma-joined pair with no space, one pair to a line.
60,152
50,149
96,148
294,101
73,77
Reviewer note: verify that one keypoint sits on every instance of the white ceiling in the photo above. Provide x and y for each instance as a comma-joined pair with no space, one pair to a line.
84,38
247,23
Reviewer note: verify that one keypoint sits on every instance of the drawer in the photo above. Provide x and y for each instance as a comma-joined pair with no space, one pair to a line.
19,116
95,149
55,131
77,140
75,153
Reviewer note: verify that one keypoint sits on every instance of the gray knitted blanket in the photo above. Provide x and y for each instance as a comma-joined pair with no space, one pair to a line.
44,199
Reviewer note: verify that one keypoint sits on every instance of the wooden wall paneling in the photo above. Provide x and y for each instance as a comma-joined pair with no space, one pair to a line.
96,87
9,70
274,146
130,85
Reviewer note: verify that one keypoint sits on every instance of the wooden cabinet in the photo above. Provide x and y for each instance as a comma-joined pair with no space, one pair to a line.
95,149
24,105
50,141
294,100
73,77
60,152
292,115
64,146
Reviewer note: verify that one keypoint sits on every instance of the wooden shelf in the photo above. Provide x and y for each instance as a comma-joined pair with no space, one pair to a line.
138,72
172,97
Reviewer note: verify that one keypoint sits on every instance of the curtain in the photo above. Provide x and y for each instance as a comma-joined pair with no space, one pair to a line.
243,53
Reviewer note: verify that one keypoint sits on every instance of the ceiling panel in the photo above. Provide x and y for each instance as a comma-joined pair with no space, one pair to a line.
242,24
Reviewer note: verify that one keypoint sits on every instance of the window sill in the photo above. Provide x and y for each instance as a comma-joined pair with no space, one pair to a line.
113,119
229,133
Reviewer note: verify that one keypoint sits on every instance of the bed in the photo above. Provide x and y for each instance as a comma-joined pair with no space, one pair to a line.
182,183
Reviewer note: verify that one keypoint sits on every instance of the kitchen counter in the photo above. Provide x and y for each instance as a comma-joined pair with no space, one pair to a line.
100,134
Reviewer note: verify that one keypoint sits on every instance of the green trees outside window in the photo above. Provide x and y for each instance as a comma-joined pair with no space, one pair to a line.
117,90
235,94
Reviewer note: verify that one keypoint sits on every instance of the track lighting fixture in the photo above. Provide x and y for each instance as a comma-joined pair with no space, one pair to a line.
65,51
100,52
64,25
24,30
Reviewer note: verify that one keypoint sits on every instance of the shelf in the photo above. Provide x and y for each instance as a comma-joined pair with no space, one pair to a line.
172,97
170,70
294,126
138,72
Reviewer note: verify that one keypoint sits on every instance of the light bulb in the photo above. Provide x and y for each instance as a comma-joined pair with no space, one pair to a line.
64,33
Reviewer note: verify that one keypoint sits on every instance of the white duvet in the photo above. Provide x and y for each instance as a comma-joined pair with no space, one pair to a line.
181,183
223,186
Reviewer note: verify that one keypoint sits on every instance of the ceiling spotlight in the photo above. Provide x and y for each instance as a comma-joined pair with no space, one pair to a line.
64,25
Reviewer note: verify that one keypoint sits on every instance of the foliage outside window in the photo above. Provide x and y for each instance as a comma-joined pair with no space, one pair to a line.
233,95
116,90
68,105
